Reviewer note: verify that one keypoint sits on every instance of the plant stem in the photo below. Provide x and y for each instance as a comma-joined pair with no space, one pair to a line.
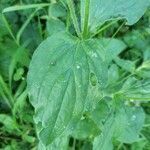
7,91
74,144
5,99
86,18
74,17
119,146
9,29
138,98
24,26
118,30
104,28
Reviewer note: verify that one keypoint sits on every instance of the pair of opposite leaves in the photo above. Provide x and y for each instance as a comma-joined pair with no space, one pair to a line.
59,73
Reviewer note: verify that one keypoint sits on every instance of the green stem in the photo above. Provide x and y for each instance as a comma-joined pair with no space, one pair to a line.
104,28
7,91
119,146
137,98
74,17
68,22
74,144
86,18
5,98
25,25
9,29
118,30
20,89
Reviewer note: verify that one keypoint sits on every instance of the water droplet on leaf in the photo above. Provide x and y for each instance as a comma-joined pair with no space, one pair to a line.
53,63
133,117
78,67
94,55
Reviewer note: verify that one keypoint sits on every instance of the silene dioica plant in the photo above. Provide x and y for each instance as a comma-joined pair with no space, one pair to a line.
79,85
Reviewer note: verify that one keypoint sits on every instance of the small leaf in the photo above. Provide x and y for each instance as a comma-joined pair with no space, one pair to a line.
129,122
124,124
21,56
136,89
112,47
18,74
20,103
125,64
54,26
56,10
144,70
9,124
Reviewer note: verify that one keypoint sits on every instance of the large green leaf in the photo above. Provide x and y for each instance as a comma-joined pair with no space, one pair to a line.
101,11
58,81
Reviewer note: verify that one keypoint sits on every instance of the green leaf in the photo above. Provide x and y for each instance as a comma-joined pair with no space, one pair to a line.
3,29
144,70
135,89
147,54
128,124
58,81
20,103
104,140
6,53
101,112
101,11
94,95
21,56
126,65
18,74
113,74
86,128
60,143
137,40
139,145
124,125
112,47
8,122
54,26
57,10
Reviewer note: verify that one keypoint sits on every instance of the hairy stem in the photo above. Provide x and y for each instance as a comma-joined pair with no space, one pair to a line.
86,18
74,17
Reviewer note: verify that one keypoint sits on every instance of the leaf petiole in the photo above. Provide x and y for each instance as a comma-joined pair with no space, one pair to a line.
74,17
86,19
